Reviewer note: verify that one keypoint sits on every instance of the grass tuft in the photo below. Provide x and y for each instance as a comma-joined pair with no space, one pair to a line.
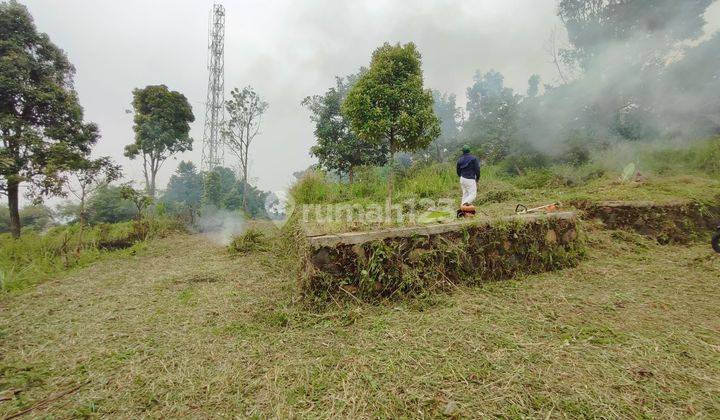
251,240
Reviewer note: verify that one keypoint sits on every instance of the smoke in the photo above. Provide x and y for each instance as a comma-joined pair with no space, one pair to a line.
627,73
654,80
220,225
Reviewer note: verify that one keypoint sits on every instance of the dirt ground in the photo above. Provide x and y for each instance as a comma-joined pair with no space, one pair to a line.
183,329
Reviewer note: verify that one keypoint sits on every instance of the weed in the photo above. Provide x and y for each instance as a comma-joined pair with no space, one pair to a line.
251,240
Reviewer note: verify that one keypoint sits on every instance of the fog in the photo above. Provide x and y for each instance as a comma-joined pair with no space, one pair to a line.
288,50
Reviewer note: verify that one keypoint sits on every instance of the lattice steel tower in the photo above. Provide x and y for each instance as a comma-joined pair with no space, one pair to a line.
213,150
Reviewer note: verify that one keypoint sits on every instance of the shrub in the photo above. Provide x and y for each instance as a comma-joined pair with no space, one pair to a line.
251,240
536,178
572,176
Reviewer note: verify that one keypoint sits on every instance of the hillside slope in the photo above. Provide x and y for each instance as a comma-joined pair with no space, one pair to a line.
184,329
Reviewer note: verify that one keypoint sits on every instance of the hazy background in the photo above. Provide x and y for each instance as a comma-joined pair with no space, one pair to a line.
287,50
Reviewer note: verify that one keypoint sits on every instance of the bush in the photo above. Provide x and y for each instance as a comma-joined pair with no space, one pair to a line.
573,176
497,195
525,160
535,178
251,240
666,157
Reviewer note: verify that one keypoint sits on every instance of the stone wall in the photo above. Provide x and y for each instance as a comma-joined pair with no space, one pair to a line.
398,262
674,222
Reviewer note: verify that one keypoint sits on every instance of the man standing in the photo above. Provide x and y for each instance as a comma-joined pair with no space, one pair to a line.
468,169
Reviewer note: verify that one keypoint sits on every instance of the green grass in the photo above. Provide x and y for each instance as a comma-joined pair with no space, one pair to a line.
184,329
669,172
36,256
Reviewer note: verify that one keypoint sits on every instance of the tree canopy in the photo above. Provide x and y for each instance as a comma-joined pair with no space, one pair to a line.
388,103
41,120
594,25
245,109
492,115
450,116
162,126
337,147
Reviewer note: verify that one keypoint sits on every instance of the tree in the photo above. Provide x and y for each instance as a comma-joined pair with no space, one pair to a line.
185,188
533,86
245,110
138,198
41,121
492,115
389,105
86,179
337,147
107,205
695,82
212,190
449,114
36,216
654,25
162,125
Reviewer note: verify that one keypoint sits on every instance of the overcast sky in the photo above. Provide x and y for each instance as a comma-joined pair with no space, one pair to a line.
286,50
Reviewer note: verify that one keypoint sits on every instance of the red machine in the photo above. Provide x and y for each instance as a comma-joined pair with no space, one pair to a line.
466,210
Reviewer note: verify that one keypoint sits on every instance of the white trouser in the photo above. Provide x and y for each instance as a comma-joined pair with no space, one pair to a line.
469,190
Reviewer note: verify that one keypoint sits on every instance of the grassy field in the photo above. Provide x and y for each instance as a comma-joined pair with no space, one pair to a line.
37,256
664,172
182,328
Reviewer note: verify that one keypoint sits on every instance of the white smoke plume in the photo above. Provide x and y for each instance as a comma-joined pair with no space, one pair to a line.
220,225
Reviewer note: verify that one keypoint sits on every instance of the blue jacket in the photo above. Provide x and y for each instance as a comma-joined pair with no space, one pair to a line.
468,166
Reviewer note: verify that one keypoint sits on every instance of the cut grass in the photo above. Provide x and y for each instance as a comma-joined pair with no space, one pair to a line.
632,332
35,256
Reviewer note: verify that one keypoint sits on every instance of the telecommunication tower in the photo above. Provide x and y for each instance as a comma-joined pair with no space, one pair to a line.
213,150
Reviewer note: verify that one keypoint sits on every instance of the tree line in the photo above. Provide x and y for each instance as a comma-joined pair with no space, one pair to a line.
631,71
47,144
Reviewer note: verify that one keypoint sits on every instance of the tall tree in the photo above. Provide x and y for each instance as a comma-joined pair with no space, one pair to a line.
649,27
162,126
245,110
492,115
450,115
337,147
85,180
389,105
533,86
41,121
185,187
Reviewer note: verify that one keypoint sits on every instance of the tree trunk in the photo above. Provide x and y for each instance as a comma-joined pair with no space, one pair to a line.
351,173
245,171
13,190
146,174
151,189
